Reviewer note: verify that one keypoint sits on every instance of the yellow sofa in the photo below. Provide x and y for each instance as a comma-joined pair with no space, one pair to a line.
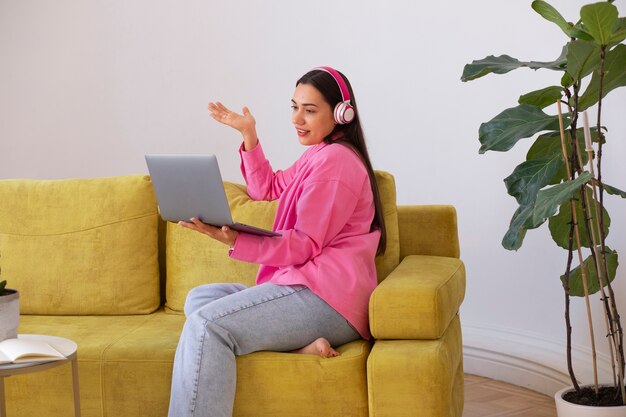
94,263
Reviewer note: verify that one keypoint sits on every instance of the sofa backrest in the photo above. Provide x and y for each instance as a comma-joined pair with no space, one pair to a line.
80,246
192,259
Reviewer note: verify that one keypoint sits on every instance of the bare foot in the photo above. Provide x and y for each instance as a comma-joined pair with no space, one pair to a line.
320,347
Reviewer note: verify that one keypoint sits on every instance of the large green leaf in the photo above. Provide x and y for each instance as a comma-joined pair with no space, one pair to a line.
551,14
576,288
549,199
559,225
517,228
546,145
613,190
531,176
619,31
542,98
504,63
583,58
599,20
614,77
549,144
503,131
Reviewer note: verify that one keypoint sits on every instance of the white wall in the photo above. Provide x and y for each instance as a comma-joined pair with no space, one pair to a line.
88,87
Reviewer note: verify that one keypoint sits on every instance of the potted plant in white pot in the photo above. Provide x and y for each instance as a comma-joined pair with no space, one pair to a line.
9,312
561,180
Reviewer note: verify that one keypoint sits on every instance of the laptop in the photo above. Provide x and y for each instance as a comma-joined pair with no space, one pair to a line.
189,186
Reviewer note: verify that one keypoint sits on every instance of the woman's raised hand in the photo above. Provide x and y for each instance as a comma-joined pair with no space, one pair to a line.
244,123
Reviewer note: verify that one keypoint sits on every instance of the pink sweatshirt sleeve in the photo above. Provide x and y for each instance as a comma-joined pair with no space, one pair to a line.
263,183
324,207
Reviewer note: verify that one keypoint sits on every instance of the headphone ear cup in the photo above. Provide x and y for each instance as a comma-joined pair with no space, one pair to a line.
344,112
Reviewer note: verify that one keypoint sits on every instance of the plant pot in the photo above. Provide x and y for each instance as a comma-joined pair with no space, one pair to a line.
10,313
567,409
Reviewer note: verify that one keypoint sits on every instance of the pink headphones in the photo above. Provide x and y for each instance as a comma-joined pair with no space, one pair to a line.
344,112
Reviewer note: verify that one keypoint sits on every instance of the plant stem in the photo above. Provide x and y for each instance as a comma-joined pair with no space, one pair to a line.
616,318
580,256
595,251
568,323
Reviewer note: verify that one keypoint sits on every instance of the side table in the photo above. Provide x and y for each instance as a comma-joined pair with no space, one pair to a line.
65,346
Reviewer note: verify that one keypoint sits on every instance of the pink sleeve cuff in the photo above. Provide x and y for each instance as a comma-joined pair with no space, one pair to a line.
253,159
244,248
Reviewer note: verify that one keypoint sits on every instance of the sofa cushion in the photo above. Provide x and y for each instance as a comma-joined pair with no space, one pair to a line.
80,246
125,368
387,262
193,259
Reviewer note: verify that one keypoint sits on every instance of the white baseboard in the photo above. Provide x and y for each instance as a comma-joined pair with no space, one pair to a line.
525,359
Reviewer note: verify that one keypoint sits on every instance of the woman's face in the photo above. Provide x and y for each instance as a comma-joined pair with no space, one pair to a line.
312,116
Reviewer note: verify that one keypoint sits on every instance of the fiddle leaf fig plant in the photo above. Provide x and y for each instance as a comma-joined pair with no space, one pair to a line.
561,179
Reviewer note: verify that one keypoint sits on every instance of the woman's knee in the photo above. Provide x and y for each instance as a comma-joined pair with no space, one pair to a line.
197,297
204,294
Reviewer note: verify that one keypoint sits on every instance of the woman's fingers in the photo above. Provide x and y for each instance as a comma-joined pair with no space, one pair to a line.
224,234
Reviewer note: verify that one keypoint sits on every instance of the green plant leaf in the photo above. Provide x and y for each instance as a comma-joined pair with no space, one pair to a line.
551,14
579,32
531,176
599,20
549,199
503,131
546,145
583,58
559,225
549,144
504,63
619,31
514,237
614,77
576,288
566,80
613,190
542,98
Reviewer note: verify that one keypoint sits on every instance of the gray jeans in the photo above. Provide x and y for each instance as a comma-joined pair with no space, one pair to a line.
225,320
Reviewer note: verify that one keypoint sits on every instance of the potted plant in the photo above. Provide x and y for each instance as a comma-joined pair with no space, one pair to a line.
9,312
561,180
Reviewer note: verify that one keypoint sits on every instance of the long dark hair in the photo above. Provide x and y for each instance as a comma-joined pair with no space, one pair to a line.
352,137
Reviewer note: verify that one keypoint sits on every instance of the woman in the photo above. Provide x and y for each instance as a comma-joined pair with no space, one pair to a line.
315,280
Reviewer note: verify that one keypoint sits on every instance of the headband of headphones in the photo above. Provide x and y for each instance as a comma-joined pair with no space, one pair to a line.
344,112
345,93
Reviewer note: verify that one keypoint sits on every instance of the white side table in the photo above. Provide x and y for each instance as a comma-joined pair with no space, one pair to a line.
65,346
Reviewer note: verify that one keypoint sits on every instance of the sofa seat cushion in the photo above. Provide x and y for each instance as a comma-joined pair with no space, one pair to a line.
419,299
81,246
125,366
274,384
193,259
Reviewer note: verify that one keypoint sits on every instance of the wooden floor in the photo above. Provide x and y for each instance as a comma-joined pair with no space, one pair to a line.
488,398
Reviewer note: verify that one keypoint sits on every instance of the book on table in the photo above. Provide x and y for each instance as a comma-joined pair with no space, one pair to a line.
27,350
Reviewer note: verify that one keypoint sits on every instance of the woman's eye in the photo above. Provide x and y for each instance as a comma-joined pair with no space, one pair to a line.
294,107
310,111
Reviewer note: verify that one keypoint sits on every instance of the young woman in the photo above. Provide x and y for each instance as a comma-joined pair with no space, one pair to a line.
315,280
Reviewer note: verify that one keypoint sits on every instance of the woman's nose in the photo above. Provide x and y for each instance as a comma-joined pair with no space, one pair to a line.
296,118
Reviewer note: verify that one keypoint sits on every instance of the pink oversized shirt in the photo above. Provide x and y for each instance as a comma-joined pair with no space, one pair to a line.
325,211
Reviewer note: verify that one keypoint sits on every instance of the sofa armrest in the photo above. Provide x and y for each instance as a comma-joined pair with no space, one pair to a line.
419,299
428,230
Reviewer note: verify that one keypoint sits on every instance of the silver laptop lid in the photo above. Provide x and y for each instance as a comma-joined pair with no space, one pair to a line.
189,186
